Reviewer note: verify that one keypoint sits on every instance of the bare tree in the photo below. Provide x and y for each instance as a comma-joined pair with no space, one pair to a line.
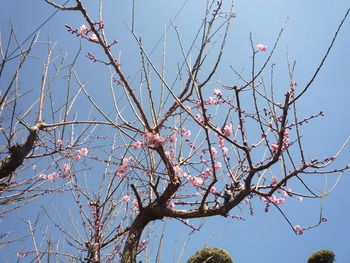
194,148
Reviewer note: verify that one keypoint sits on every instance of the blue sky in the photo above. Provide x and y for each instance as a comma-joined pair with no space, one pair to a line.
264,237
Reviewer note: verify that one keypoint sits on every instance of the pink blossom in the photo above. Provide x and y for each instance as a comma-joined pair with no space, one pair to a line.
186,133
213,190
274,147
274,180
82,152
42,176
211,101
217,92
84,30
300,199
213,151
126,198
66,168
52,177
188,108
298,229
196,181
246,201
218,166
59,142
34,167
171,205
135,203
137,145
261,47
228,130
172,139
93,38
178,170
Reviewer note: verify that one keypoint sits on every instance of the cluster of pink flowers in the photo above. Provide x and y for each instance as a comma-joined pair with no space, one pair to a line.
84,31
51,177
273,199
124,167
222,145
196,181
126,198
78,154
149,140
274,147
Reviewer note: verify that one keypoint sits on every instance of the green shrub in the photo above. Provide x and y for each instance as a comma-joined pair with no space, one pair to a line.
322,256
210,255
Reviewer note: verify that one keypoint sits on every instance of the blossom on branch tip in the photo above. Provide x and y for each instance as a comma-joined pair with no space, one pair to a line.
217,93
298,229
84,30
261,47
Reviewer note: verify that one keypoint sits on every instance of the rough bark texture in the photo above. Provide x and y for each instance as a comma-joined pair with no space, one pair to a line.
18,152
145,216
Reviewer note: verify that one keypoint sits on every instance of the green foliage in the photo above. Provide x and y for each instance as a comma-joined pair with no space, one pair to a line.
210,255
322,256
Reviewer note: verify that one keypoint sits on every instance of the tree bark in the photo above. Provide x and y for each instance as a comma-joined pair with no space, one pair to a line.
145,216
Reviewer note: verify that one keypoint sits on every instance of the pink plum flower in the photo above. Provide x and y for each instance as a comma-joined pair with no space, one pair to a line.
213,151
82,152
196,181
52,177
228,130
66,168
137,145
135,203
212,190
59,142
274,180
126,198
298,229
171,205
84,30
93,38
217,93
261,47
274,147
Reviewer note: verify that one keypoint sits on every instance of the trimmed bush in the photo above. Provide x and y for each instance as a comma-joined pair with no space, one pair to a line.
210,255
322,256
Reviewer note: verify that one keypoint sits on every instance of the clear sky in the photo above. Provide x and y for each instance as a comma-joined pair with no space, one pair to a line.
264,237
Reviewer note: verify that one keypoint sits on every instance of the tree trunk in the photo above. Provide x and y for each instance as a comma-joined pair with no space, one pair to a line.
145,216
